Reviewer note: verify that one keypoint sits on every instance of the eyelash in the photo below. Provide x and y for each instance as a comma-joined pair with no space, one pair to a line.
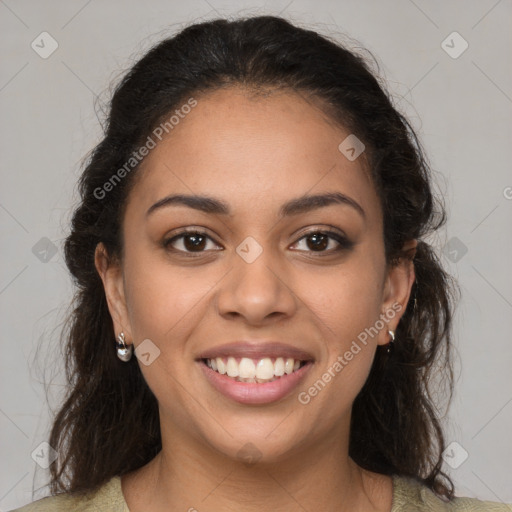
344,243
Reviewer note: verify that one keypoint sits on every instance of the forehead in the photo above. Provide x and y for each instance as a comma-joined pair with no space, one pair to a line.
253,151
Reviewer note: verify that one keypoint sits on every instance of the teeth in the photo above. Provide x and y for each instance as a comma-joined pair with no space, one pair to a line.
288,366
264,369
279,367
249,370
221,367
232,367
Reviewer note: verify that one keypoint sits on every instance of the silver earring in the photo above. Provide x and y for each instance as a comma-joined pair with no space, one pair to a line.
124,351
389,346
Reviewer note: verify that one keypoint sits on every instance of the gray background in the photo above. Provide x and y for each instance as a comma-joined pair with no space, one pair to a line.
461,107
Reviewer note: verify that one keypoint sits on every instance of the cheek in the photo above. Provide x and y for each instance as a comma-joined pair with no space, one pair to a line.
165,305
163,300
346,313
346,301
346,304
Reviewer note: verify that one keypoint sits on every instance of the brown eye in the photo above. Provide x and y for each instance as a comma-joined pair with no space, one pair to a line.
194,242
190,242
323,242
317,241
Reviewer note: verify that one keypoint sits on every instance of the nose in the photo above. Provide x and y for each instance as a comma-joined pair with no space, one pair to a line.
258,292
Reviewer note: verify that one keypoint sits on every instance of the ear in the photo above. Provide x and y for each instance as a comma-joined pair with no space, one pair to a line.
397,290
112,277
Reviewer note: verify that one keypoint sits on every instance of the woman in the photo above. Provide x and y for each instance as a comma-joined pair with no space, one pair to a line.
258,316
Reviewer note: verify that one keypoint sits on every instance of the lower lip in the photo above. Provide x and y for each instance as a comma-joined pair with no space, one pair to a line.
253,393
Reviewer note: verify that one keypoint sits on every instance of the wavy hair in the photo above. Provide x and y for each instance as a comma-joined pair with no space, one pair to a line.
108,424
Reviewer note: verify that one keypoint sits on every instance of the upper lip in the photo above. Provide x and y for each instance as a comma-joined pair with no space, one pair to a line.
256,350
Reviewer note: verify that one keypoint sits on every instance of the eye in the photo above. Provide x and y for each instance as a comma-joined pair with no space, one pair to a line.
194,241
190,241
323,242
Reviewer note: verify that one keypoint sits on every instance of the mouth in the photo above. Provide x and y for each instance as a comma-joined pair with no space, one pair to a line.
255,373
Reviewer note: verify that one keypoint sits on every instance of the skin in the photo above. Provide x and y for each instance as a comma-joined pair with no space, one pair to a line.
255,153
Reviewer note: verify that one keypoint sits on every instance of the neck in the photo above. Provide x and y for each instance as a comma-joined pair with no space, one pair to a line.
187,475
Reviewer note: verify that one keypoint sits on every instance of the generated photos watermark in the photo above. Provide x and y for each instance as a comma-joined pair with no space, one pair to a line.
343,360
138,155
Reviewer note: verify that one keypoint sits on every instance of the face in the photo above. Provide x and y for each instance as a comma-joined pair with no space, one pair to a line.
254,281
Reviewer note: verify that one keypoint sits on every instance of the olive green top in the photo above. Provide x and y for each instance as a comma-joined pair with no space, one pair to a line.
408,496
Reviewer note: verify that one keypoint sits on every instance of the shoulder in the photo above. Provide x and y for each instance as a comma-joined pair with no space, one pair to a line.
108,498
408,493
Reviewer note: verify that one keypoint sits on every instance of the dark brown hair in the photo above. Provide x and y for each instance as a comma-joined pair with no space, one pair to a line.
108,424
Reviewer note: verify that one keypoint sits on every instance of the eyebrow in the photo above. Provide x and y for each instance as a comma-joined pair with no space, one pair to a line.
296,206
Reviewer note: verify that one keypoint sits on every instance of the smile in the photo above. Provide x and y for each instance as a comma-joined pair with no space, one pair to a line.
255,372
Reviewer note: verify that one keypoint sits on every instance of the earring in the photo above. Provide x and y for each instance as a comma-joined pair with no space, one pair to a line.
124,351
389,346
